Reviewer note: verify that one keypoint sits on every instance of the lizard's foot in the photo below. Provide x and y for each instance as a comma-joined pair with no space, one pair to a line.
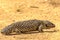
18,32
40,30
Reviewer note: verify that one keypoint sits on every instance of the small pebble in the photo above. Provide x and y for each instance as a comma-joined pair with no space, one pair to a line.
34,7
18,10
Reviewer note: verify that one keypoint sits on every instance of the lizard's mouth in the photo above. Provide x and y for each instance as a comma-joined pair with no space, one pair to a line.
50,26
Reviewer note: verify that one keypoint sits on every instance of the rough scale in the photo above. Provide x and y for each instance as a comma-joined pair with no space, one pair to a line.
26,26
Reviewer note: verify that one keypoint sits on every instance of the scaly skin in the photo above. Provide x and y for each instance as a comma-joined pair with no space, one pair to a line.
26,26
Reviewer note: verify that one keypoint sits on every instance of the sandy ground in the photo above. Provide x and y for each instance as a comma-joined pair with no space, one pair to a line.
19,10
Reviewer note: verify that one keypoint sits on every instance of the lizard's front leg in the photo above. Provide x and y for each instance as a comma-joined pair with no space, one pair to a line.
40,29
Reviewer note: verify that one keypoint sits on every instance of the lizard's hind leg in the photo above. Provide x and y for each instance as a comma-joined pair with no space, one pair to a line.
17,31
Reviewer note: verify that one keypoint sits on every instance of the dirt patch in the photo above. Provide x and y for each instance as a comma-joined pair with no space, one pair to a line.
29,9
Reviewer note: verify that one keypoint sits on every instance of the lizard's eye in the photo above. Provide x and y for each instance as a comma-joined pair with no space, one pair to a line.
46,25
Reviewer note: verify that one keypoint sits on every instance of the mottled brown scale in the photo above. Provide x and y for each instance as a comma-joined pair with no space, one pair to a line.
26,26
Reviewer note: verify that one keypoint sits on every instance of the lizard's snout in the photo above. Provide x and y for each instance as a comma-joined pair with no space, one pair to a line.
50,26
53,25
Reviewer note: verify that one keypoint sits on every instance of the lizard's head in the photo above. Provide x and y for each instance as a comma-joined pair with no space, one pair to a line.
49,24
6,30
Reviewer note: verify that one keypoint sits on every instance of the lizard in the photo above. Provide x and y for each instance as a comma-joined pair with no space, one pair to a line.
28,25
